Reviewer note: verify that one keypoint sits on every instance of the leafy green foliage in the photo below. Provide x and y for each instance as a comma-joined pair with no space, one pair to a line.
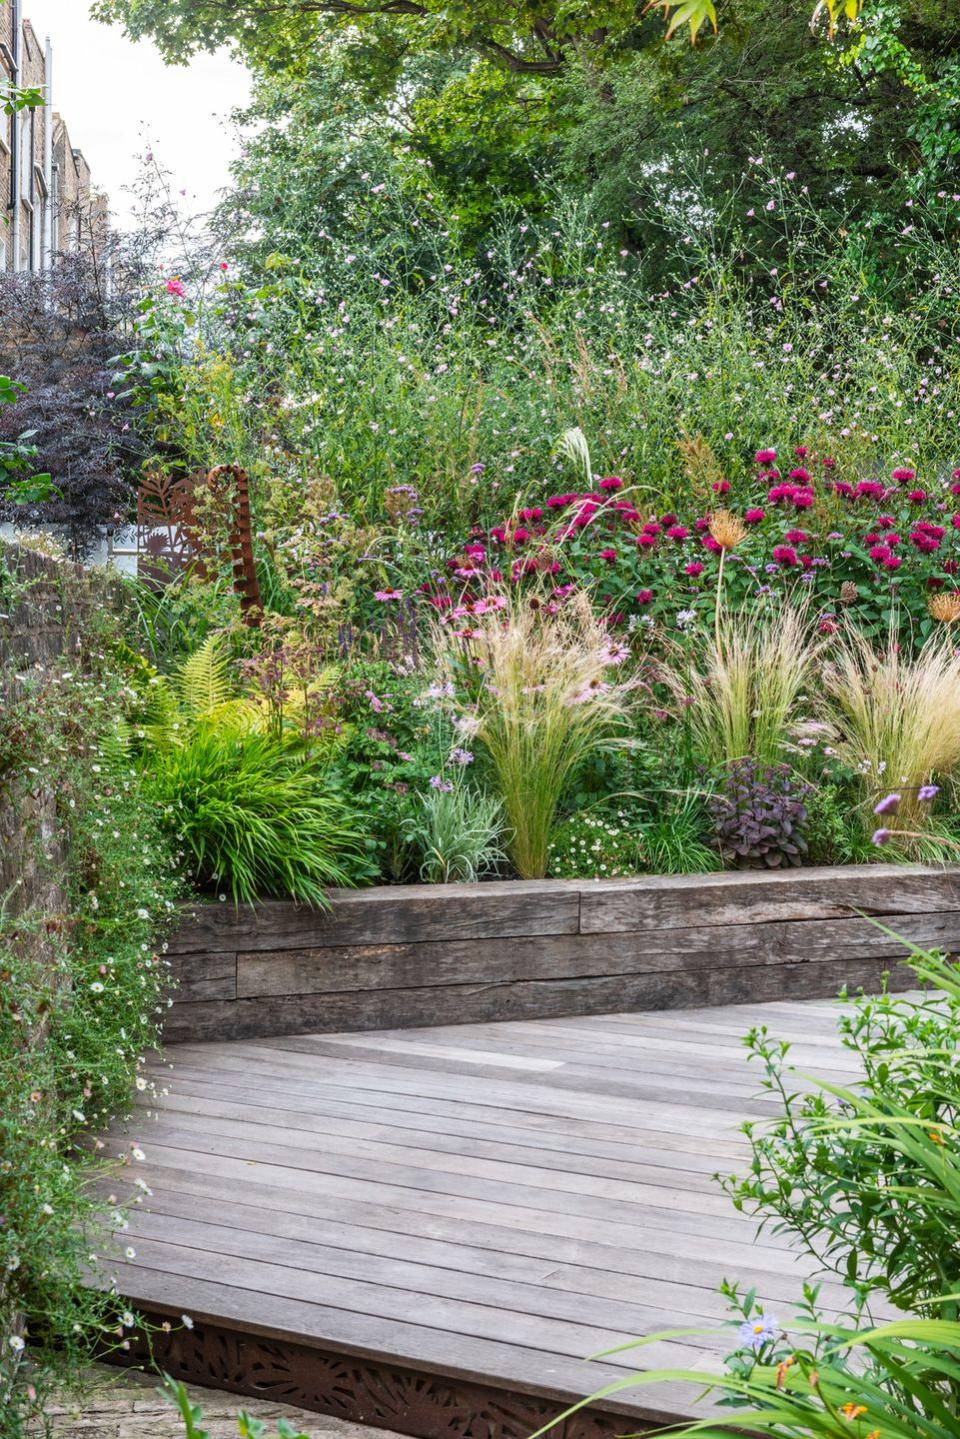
82,989
256,815
865,1175
456,829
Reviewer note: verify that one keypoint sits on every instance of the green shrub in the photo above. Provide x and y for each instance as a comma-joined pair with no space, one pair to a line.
867,1176
257,816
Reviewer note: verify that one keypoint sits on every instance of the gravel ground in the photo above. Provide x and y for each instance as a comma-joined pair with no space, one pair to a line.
125,1405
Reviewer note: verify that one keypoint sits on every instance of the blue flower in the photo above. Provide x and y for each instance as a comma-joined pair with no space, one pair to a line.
758,1331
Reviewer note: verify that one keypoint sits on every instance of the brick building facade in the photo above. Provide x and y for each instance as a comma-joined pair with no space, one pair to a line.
47,205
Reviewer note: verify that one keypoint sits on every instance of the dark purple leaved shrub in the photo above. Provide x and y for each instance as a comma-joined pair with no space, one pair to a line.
760,816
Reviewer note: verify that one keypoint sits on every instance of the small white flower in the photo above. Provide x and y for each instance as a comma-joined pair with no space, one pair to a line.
17,1344
137,1153
186,1321
130,1252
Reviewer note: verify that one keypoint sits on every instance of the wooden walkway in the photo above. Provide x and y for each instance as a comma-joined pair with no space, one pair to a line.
486,1204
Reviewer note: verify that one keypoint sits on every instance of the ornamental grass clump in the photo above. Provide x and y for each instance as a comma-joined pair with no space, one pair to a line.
898,723
536,686
741,694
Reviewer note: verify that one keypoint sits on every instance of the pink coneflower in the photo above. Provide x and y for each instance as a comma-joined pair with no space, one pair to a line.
765,457
612,482
388,594
785,554
754,516
693,569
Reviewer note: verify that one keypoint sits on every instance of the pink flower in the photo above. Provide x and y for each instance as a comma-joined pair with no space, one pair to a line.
871,489
801,452
693,569
644,597
841,487
904,476
924,542
800,475
709,543
720,487
612,482
646,541
176,287
388,594
785,554
765,457
879,552
917,496
828,627
678,532
652,528
520,535
224,265
892,562
608,555
754,516
802,499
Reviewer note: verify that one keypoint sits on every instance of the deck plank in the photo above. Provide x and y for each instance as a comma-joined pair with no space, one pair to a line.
489,1201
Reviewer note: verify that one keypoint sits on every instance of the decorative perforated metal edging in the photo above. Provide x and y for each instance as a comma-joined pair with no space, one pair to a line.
364,1391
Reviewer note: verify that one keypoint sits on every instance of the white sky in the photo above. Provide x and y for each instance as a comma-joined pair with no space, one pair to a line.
116,96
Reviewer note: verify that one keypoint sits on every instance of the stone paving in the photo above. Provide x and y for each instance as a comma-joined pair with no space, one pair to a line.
124,1405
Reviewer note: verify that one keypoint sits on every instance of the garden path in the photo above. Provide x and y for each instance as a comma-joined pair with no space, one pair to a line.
467,1209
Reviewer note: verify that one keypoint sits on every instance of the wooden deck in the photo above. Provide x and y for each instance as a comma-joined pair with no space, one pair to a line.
482,1205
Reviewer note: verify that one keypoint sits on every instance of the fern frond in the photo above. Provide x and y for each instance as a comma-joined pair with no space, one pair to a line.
203,680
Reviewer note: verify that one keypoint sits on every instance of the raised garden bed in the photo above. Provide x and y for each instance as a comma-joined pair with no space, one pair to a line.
413,955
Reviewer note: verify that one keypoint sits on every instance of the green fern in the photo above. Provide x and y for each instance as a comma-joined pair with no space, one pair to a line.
203,683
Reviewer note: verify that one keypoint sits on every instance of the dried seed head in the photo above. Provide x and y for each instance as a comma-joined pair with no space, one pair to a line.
945,607
848,592
727,529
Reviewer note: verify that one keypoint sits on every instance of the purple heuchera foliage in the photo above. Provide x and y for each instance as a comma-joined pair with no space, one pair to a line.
760,815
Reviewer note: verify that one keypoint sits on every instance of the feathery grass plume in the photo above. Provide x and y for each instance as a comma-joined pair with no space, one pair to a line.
898,719
741,693
572,445
536,682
